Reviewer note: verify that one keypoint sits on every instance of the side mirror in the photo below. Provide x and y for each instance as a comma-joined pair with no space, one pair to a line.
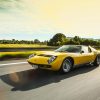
82,52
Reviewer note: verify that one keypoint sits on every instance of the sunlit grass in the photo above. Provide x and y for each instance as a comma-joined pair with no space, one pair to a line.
21,45
8,55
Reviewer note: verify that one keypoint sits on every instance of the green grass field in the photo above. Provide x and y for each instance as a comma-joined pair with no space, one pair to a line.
9,55
21,45
20,54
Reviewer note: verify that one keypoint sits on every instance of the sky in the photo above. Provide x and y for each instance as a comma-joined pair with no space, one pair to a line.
31,19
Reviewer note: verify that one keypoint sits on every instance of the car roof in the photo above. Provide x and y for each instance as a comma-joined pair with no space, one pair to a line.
77,45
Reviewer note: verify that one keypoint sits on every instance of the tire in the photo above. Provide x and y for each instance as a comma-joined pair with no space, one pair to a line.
66,66
97,61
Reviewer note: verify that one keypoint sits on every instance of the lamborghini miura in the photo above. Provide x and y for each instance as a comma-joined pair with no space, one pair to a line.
65,58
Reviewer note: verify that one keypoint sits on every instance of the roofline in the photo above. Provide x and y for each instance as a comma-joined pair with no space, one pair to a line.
77,45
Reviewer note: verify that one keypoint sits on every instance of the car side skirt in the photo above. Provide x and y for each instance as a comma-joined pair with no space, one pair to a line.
78,65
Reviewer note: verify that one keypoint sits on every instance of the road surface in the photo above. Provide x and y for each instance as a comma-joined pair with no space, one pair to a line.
19,81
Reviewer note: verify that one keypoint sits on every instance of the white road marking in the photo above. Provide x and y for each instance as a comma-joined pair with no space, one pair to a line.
13,64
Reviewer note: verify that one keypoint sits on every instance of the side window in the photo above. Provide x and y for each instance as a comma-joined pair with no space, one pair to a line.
85,49
89,49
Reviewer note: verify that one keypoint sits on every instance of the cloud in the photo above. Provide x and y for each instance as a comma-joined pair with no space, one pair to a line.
9,5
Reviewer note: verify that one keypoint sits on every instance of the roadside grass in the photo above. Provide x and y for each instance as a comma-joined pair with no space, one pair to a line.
21,54
22,46
13,55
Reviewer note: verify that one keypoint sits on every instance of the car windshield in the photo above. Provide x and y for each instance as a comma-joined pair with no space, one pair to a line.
69,48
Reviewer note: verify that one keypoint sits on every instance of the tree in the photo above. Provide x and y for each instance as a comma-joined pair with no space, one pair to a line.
57,40
36,41
77,38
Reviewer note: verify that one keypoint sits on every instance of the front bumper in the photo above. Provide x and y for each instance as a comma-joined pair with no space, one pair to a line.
42,62
44,66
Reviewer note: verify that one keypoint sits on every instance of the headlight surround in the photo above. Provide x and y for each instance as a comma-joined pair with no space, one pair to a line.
52,59
31,55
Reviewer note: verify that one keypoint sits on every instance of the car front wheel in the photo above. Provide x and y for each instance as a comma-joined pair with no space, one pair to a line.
66,66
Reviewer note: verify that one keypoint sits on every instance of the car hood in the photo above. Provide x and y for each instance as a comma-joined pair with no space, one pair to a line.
48,53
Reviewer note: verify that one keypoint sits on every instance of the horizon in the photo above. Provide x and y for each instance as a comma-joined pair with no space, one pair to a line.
40,37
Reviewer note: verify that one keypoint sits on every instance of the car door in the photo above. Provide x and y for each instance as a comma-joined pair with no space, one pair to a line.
87,55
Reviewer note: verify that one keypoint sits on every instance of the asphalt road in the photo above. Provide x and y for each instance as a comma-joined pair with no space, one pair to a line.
19,81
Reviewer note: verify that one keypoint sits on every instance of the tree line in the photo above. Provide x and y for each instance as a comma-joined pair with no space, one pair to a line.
57,40
13,41
61,39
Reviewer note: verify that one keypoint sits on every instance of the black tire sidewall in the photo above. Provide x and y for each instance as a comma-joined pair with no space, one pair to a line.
61,69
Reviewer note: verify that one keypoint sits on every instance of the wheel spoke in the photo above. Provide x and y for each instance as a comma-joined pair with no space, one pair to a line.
66,66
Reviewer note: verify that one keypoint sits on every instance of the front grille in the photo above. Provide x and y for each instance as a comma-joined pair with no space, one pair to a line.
44,55
45,66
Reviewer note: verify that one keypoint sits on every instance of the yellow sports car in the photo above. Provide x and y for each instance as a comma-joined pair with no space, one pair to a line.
65,58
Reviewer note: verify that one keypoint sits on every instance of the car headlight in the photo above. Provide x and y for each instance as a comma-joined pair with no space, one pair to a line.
31,55
52,59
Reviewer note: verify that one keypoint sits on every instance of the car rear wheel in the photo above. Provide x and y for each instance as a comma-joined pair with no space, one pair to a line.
66,66
97,61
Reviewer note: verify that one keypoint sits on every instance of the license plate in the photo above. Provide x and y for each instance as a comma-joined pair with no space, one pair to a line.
35,66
